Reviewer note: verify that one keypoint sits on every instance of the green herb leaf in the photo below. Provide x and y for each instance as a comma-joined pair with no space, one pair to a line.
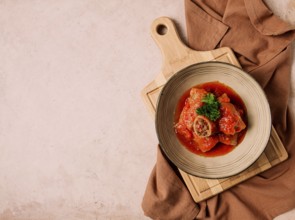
211,107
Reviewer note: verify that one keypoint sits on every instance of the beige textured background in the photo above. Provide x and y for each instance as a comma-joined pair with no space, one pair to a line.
76,141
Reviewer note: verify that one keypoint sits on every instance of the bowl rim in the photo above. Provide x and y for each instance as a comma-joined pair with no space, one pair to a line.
183,71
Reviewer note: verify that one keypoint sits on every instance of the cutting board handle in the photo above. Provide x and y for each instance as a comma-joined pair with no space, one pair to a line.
175,53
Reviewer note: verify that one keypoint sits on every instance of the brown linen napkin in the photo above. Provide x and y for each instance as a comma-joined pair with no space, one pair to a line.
262,44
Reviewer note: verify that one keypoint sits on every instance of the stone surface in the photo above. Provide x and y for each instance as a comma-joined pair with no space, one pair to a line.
76,140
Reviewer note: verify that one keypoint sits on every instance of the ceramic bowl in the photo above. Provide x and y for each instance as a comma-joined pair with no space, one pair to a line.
258,114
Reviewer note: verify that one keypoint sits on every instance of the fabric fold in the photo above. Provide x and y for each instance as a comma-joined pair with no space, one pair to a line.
264,20
202,24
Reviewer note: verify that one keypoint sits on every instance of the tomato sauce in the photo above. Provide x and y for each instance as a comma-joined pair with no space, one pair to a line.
217,89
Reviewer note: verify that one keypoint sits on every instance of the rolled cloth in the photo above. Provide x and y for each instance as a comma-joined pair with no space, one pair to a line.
262,43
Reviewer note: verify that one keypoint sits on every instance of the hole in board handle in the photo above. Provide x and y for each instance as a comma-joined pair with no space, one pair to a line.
162,29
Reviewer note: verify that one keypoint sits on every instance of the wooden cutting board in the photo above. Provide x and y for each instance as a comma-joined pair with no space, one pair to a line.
177,56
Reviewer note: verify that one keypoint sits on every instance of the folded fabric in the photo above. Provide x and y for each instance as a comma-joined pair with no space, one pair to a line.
262,43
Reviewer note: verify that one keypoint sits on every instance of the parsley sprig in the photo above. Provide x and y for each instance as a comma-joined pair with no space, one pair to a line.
211,107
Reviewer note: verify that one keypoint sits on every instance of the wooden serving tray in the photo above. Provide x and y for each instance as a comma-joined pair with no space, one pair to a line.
178,56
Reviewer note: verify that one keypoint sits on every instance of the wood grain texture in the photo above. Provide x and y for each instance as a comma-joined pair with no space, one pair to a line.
176,56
